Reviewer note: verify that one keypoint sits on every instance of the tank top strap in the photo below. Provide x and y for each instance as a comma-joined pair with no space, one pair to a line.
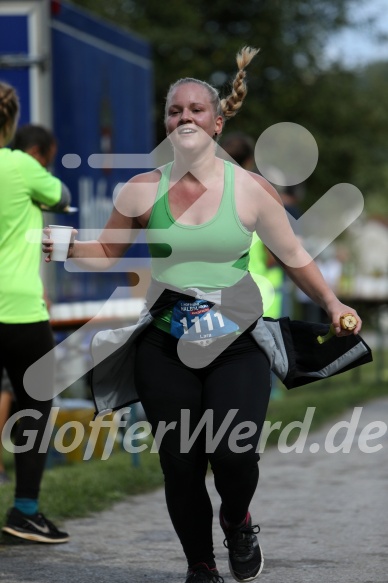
159,217
228,200
164,181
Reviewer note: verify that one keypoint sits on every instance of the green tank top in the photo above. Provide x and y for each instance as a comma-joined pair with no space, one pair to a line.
209,256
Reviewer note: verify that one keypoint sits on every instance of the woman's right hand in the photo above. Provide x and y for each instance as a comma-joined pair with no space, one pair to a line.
48,244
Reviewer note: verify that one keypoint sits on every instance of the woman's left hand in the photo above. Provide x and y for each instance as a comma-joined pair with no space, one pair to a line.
335,311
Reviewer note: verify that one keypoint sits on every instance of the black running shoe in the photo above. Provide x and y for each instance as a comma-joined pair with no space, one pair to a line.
246,560
201,573
33,527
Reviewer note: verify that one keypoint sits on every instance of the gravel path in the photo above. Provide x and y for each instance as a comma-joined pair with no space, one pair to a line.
324,519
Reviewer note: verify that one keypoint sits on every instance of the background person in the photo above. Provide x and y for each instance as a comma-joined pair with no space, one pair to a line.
25,333
241,148
37,141
40,143
207,209
309,311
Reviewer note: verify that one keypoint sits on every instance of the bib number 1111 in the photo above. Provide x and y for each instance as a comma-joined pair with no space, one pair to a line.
206,318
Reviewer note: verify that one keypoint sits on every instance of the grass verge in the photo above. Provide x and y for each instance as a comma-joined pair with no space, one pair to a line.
330,397
75,490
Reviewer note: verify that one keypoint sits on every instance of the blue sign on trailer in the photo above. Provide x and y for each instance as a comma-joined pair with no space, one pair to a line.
102,95
14,41
102,102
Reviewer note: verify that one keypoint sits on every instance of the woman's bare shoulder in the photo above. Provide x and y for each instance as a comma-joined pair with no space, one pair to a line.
255,185
152,177
267,186
138,195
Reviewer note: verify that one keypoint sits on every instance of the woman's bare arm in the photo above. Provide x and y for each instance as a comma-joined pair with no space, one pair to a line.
274,229
129,215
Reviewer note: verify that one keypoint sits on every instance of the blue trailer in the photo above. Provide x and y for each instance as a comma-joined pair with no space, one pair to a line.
92,83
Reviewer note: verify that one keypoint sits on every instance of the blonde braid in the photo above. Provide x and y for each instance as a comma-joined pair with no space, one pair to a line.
231,104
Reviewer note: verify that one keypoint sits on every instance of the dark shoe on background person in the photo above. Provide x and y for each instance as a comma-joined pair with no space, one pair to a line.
202,573
33,527
246,560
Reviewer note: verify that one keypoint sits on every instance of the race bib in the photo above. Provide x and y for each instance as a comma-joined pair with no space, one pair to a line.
197,320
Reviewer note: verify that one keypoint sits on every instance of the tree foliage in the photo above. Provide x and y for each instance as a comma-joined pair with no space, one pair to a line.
288,80
347,115
200,39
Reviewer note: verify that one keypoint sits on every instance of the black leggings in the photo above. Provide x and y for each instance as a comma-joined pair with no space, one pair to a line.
20,346
239,380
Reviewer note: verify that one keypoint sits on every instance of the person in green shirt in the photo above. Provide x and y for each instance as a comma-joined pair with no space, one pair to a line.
40,143
25,332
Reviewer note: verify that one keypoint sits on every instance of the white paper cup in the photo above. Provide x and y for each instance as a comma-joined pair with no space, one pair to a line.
61,236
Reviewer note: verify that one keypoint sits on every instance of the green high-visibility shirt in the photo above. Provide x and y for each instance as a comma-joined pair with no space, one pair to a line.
23,184
274,275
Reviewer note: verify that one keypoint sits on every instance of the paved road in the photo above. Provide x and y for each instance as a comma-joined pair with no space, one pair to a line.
324,519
